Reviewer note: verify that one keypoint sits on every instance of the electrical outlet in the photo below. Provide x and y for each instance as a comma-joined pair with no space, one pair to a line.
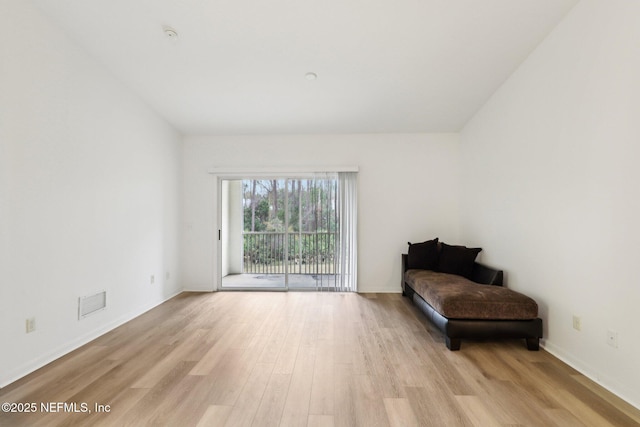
153,279
577,323
612,338
167,275
31,324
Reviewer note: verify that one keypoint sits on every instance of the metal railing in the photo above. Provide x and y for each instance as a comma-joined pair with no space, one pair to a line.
306,253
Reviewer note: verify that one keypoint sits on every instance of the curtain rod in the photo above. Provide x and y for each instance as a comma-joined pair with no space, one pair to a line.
231,170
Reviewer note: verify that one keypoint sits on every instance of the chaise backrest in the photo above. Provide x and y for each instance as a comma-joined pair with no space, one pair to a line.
481,273
486,275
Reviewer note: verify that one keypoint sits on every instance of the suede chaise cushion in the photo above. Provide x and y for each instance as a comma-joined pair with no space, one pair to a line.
455,297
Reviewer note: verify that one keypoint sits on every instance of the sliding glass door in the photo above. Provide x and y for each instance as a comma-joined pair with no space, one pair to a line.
284,233
264,234
312,233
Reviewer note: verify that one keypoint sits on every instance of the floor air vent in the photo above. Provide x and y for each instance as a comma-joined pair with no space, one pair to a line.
91,304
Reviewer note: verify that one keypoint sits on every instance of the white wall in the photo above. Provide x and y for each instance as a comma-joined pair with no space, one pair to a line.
232,224
89,186
236,226
225,225
551,187
408,190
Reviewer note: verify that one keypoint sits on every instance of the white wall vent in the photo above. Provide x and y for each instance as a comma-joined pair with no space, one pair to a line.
91,304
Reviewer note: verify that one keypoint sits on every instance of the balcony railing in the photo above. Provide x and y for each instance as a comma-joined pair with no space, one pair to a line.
305,253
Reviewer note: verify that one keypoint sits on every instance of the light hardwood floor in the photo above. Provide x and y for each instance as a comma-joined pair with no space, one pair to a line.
306,359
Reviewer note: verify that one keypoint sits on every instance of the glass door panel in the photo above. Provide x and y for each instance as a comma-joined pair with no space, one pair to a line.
312,233
261,237
279,233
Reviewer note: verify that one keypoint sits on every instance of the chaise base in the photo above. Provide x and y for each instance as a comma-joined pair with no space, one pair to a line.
455,330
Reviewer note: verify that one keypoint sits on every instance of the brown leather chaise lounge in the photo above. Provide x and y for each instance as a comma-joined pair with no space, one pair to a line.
465,299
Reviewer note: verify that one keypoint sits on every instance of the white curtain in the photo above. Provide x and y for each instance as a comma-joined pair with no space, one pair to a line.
347,200
342,188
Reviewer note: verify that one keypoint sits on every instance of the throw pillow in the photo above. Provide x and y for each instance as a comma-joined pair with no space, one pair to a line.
457,260
423,256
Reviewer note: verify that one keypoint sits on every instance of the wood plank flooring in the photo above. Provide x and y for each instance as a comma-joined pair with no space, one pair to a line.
306,359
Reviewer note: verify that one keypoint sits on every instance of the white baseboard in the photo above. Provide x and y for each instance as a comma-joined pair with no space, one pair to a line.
37,363
629,396
380,291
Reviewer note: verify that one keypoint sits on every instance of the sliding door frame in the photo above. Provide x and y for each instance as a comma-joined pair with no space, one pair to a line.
221,174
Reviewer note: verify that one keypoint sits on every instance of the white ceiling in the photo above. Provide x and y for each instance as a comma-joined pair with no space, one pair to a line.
238,66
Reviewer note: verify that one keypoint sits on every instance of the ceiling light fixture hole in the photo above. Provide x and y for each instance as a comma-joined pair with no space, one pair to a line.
170,33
